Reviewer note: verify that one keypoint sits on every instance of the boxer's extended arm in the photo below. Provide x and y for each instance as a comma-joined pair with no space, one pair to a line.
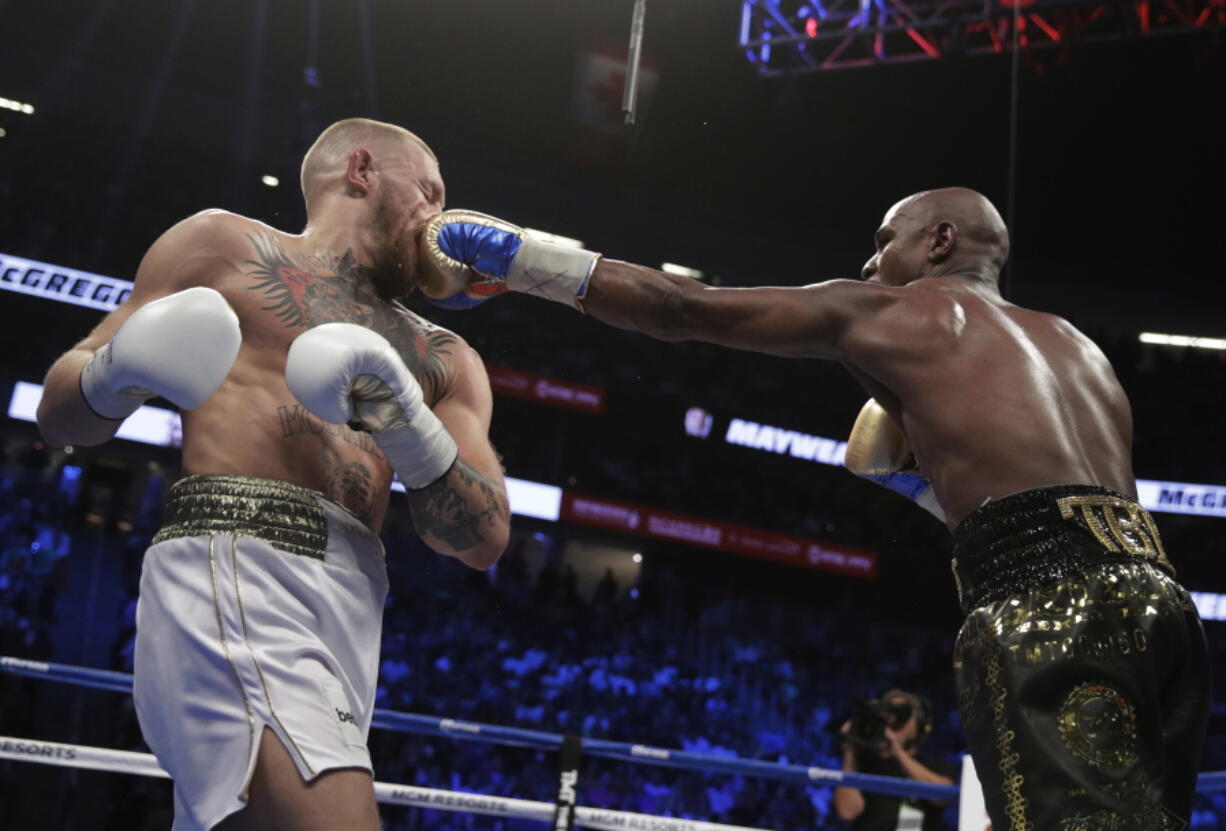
469,257
181,258
838,319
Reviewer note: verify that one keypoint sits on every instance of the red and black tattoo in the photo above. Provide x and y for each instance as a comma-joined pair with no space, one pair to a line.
332,289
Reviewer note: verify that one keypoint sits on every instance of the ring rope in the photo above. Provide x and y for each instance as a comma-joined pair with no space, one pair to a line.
540,740
144,764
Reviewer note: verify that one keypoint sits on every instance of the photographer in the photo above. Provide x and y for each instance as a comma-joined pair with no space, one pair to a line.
882,738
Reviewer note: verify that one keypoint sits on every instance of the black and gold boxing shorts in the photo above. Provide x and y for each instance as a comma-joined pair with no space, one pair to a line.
1082,673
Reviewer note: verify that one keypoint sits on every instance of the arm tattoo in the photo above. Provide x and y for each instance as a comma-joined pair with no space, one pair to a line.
446,512
338,289
348,483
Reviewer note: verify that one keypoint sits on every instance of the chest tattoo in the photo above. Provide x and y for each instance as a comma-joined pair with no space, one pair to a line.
307,291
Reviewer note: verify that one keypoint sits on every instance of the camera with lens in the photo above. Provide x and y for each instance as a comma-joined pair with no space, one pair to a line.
869,719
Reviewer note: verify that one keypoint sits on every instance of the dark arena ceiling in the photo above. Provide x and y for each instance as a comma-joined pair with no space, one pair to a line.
145,110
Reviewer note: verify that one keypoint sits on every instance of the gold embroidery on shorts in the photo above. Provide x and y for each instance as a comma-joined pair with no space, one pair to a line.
225,647
254,660
1012,781
1098,724
285,516
1118,525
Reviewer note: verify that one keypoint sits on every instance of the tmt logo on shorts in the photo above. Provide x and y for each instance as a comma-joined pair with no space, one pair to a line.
344,716
1118,525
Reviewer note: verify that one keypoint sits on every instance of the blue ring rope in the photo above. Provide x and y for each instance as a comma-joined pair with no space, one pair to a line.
541,740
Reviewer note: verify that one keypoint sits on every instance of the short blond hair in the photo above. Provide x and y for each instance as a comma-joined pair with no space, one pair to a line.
340,139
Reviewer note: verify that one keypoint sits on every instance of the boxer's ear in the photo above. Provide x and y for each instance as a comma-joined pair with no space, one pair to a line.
943,239
360,170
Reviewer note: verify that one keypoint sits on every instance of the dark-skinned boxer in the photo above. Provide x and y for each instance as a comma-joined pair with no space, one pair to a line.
1081,668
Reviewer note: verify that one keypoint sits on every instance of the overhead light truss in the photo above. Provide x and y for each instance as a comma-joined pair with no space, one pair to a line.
784,37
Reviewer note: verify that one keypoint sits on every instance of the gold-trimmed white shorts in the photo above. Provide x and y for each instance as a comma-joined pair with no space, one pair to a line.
235,634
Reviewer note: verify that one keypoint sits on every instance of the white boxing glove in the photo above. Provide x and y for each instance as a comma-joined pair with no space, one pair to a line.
180,347
344,373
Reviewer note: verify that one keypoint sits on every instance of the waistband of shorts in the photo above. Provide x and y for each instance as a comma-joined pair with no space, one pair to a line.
1026,539
288,517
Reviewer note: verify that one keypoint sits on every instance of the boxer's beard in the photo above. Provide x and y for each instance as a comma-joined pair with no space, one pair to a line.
391,274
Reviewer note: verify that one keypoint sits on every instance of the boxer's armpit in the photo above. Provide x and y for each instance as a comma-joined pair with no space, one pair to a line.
459,509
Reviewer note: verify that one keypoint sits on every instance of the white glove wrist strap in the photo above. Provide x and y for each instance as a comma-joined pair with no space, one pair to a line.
420,452
98,393
554,272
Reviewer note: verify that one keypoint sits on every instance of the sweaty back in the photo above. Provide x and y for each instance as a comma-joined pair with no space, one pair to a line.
1019,399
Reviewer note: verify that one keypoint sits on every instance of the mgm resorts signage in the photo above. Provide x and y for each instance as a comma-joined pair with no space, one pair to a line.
54,282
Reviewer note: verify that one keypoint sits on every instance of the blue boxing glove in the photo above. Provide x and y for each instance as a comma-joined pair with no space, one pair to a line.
469,257
878,450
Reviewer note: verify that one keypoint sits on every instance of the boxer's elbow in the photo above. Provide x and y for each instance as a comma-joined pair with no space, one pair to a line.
485,554
60,429
49,428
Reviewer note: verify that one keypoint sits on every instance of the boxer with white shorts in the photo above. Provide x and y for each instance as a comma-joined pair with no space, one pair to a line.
303,386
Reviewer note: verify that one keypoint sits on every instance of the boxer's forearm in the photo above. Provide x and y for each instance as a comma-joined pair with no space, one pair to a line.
464,514
63,416
643,300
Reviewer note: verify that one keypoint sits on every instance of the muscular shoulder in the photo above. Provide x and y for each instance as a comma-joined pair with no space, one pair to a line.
1074,340
913,318
195,250
442,360
212,229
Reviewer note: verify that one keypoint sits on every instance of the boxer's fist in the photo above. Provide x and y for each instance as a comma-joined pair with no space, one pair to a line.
468,257
877,449
180,347
348,374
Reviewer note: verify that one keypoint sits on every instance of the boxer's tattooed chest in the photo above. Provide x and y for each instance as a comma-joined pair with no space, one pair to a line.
303,292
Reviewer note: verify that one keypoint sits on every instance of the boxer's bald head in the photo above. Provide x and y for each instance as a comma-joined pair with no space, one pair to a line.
325,165
950,231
